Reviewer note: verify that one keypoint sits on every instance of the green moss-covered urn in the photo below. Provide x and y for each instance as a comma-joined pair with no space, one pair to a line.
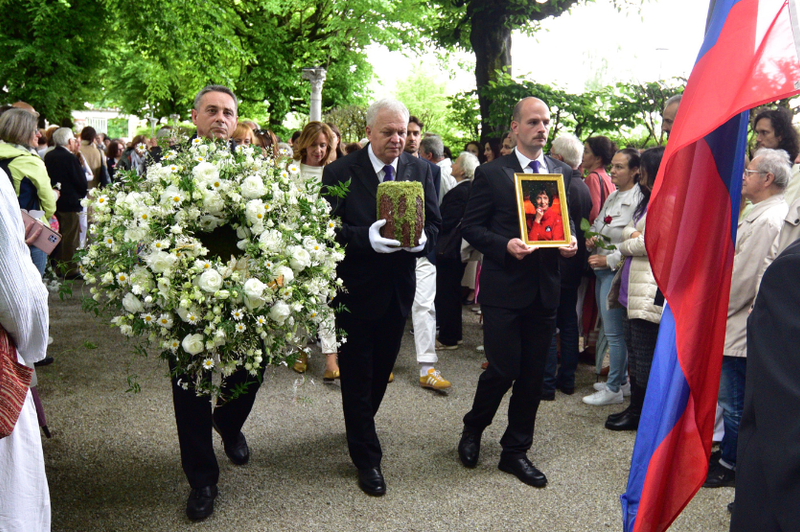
402,205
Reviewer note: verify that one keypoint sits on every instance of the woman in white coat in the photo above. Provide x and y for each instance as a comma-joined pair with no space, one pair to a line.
24,495
639,294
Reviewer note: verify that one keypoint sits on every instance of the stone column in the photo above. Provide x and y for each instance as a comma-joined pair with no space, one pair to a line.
315,76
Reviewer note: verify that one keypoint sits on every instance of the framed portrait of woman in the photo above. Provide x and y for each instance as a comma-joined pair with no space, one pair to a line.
542,208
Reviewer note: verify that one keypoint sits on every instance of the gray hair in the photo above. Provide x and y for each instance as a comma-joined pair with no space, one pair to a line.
673,99
468,163
388,104
775,162
433,145
216,88
570,148
62,136
17,126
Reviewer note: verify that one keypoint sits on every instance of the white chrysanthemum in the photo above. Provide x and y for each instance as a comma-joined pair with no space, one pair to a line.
122,278
108,241
173,196
237,314
160,245
261,320
240,328
165,320
148,318
101,203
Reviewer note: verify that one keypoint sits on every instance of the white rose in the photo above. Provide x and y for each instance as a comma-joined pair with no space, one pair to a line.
210,281
253,187
271,240
193,344
161,261
254,288
279,312
300,258
205,172
135,234
132,304
213,202
288,274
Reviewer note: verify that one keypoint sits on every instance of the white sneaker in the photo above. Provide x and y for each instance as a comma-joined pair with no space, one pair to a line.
603,397
626,388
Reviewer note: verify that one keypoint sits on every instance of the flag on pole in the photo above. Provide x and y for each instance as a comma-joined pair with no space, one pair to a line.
749,57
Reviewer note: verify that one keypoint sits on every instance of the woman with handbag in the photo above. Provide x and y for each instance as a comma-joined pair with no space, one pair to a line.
24,494
449,267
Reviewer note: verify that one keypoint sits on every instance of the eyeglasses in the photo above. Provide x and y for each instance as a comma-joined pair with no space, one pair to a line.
748,171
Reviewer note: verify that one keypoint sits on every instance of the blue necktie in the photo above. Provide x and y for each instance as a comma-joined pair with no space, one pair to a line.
534,166
387,170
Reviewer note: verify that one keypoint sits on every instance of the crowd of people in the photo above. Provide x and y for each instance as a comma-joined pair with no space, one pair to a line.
538,305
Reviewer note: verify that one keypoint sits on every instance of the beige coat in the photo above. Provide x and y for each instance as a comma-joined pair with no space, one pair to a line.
95,159
755,241
642,288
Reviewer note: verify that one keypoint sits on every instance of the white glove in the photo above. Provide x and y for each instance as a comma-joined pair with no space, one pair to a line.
380,244
422,239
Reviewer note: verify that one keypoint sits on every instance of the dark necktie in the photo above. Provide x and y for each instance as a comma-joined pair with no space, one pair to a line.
534,166
387,170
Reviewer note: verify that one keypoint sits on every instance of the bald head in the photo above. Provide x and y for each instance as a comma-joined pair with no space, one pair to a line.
24,105
531,125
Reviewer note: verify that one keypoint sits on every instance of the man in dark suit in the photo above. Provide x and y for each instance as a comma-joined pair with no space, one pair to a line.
520,288
378,277
767,488
64,169
215,115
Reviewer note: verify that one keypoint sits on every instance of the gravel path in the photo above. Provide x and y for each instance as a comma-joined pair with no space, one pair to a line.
113,462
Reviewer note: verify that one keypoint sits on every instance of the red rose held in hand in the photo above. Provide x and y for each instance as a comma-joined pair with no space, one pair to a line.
607,219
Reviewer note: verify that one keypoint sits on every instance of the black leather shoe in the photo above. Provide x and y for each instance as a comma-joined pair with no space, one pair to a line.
469,448
566,390
613,417
237,451
629,421
730,507
46,361
549,396
523,469
201,503
371,482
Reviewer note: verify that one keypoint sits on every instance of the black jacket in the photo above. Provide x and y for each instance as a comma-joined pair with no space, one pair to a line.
63,167
491,220
372,280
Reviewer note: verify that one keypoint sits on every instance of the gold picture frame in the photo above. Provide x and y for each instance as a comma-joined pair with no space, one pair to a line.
552,228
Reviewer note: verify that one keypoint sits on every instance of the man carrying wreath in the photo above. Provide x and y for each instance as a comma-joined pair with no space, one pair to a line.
215,115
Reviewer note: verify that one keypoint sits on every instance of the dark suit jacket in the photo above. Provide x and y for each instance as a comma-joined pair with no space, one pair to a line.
63,167
580,205
372,279
491,220
436,173
767,488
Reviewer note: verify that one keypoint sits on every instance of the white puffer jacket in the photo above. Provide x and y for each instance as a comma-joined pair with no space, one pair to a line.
645,302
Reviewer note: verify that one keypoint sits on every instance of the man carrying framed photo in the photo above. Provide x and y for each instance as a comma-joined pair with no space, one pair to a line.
520,287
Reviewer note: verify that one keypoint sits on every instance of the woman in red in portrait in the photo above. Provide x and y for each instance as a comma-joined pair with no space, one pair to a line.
544,217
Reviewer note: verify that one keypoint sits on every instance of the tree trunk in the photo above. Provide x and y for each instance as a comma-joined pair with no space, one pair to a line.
490,37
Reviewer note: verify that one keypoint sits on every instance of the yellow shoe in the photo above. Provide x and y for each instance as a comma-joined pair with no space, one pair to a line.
434,381
391,377
330,376
301,365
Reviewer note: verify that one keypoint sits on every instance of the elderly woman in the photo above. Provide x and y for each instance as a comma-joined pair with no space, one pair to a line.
450,270
24,495
20,137
610,222
313,149
639,294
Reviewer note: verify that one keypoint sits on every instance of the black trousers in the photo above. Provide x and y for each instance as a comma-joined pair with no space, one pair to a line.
448,299
517,342
193,417
365,361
